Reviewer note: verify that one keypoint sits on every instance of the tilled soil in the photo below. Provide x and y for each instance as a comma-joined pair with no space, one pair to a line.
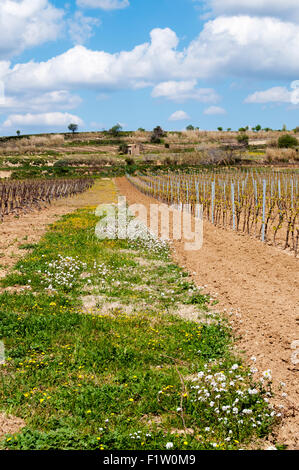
258,286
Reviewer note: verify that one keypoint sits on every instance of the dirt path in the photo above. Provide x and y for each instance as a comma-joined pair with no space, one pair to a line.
29,228
259,286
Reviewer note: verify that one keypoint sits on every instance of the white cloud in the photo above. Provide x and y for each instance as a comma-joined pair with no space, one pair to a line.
104,4
27,23
183,91
179,116
245,46
100,70
287,9
235,46
47,120
49,101
214,110
272,95
81,27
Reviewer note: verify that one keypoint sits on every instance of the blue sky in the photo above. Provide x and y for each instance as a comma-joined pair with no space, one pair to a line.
144,63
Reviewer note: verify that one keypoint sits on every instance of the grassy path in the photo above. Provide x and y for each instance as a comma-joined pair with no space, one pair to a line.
99,354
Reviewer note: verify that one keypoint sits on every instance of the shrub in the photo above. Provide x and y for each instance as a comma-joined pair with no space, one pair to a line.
130,161
243,139
155,139
123,149
281,155
287,141
61,164
157,134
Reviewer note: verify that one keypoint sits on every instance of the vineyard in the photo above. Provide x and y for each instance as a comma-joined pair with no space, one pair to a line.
261,204
16,197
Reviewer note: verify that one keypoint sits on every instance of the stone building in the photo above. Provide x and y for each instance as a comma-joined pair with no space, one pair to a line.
135,149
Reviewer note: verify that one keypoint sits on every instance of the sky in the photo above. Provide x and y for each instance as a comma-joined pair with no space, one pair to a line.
143,63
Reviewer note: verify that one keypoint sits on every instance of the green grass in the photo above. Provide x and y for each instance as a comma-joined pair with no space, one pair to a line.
119,379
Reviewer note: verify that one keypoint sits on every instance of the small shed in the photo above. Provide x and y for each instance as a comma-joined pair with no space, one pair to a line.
135,149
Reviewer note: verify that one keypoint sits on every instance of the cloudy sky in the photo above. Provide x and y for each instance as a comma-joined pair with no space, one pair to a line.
144,63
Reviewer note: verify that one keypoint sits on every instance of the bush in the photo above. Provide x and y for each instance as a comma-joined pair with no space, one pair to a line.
243,139
123,149
155,139
287,141
157,134
281,155
130,161
61,164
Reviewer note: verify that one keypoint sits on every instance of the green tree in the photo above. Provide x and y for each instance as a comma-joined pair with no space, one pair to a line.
18,133
220,129
73,127
115,130
190,128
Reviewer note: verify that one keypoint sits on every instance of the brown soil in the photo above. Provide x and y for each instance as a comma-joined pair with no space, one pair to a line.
258,286
5,174
10,424
29,228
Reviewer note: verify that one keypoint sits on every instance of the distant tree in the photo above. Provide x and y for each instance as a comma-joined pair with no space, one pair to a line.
284,128
157,135
220,129
267,129
242,129
115,130
158,131
257,128
229,129
296,130
287,141
190,128
18,133
141,129
73,127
